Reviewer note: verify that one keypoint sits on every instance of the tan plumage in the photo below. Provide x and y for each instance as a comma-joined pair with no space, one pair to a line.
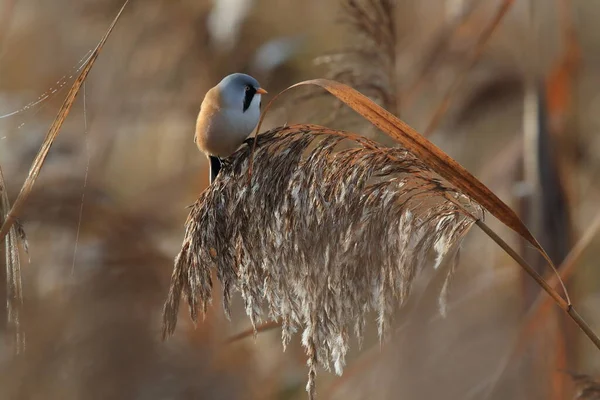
206,137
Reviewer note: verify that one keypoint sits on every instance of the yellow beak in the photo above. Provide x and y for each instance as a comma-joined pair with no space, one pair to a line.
261,91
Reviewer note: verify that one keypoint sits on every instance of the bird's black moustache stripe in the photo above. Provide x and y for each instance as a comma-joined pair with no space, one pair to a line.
249,95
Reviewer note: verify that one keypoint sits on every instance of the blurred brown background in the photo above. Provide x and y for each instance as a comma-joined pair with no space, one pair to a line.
106,216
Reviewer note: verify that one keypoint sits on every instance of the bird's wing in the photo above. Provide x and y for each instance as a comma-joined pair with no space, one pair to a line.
211,105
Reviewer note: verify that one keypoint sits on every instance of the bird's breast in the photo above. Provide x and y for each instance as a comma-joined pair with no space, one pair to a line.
220,133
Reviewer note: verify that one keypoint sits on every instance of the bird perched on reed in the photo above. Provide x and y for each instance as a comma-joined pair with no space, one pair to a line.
229,113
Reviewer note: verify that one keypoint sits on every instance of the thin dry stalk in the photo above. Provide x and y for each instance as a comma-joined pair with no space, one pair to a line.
444,105
320,238
54,131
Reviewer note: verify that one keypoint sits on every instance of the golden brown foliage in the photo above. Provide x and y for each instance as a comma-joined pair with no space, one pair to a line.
53,132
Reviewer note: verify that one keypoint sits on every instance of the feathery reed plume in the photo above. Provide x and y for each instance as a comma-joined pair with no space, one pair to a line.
470,62
369,66
332,226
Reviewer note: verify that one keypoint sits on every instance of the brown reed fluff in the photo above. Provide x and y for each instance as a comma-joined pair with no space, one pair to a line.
330,227
370,64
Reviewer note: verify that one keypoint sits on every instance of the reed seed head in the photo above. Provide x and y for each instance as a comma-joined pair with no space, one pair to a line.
330,227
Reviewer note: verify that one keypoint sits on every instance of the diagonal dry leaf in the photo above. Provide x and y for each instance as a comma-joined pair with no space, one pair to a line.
432,155
36,166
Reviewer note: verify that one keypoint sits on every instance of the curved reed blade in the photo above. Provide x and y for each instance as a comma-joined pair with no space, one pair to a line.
38,162
429,154
332,227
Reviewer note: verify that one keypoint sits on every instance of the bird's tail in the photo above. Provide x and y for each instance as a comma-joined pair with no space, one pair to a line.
215,167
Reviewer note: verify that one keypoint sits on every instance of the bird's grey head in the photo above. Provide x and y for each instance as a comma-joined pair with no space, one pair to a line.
240,91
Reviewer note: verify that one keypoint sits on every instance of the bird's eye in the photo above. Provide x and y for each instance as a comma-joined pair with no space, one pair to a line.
247,88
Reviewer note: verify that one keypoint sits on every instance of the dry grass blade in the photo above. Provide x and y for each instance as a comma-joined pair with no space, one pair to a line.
53,132
332,227
14,291
428,153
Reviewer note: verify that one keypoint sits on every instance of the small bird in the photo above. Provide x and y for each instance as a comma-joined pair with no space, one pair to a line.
229,113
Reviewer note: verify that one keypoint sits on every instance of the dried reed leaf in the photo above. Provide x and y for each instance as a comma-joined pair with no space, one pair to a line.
427,152
53,132
333,226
